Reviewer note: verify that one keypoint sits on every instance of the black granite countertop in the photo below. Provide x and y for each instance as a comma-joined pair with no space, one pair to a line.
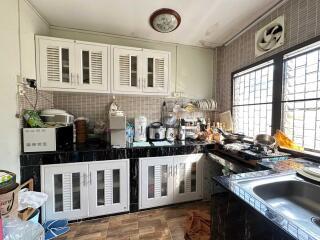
104,151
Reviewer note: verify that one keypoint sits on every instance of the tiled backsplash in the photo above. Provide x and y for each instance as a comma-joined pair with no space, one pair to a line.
96,106
302,22
44,101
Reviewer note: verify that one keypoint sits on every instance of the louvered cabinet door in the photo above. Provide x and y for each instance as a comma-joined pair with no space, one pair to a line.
156,72
188,177
127,70
108,187
155,182
56,63
92,66
66,186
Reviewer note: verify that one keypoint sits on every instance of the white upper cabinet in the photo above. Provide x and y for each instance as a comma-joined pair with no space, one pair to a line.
127,70
68,65
155,72
140,71
92,66
77,66
56,63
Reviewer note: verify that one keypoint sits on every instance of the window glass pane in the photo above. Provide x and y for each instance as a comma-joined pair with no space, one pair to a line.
151,182
134,69
116,186
194,177
182,172
58,193
253,119
65,65
100,188
300,108
301,122
150,72
164,180
85,67
76,190
252,100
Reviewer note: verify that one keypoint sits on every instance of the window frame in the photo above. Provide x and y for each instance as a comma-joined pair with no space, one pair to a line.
257,67
278,81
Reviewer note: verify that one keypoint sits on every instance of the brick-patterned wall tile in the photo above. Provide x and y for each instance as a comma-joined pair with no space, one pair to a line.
302,22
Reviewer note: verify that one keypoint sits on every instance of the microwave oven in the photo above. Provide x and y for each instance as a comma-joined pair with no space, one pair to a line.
47,139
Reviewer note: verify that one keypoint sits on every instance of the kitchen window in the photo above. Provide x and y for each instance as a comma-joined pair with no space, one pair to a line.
252,99
290,103
301,96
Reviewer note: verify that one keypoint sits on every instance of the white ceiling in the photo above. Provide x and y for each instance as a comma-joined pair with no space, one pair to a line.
204,22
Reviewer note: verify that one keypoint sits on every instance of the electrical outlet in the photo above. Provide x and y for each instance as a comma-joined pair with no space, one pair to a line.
21,90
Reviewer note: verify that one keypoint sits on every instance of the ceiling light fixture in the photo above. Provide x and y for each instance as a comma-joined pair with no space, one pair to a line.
165,20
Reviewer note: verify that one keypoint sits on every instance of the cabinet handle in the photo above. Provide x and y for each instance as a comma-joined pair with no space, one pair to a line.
171,170
84,179
90,180
70,76
176,170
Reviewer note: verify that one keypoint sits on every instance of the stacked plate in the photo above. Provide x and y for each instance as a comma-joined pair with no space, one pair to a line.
310,173
206,104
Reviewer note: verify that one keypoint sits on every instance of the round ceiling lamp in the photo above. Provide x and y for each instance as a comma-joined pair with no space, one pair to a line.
165,20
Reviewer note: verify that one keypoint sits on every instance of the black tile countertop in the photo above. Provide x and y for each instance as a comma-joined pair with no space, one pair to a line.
228,182
104,151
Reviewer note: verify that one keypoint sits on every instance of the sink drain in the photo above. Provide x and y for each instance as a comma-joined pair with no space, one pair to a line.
316,221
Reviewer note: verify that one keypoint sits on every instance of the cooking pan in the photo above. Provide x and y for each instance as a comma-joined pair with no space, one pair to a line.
233,137
264,140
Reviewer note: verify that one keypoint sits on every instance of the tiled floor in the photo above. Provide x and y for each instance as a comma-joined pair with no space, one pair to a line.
162,223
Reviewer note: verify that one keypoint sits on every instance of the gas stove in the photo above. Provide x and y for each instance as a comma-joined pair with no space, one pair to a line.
250,153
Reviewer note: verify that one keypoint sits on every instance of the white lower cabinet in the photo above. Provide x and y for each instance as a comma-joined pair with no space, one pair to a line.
156,181
81,190
109,187
66,186
188,174
168,180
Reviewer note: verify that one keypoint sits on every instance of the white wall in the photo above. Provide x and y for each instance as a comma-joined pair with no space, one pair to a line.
191,67
30,24
11,67
195,71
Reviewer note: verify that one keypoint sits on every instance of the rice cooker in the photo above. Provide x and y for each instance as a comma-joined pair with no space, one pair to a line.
156,132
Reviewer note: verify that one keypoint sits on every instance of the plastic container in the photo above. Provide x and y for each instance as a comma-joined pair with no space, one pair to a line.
34,218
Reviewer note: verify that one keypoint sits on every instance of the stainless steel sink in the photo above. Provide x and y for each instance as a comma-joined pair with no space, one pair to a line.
290,196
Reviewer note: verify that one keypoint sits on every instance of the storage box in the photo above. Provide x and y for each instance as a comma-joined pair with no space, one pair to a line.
9,203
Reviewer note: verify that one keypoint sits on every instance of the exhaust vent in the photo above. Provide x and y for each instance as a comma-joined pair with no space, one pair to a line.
269,37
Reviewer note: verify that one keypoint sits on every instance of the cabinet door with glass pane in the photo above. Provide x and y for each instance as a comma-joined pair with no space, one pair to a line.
126,70
156,72
188,177
156,182
108,187
56,63
92,66
67,189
